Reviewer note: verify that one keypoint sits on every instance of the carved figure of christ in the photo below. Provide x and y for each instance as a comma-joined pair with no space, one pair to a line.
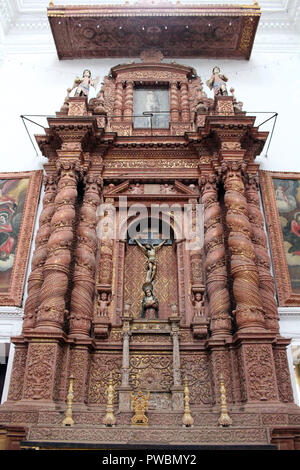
150,251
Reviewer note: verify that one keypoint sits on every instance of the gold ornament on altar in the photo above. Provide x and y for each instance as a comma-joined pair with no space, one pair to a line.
109,419
187,419
224,419
68,420
140,406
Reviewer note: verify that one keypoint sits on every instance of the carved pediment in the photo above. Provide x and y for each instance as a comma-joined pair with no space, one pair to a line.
147,189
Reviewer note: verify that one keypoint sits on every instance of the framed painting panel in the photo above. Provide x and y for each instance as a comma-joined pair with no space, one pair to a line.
154,102
281,200
19,198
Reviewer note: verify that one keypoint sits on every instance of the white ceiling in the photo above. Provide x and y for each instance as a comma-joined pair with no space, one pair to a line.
24,25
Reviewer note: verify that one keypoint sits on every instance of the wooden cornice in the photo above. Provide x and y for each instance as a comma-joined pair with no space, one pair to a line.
211,31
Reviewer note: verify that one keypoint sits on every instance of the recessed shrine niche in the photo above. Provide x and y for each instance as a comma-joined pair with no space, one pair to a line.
151,264
151,107
151,97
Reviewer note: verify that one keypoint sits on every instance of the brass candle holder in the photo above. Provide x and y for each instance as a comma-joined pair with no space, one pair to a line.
109,418
68,420
187,419
224,419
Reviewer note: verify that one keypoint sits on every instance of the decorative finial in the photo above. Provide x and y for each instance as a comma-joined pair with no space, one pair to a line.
187,419
68,420
224,419
109,419
51,4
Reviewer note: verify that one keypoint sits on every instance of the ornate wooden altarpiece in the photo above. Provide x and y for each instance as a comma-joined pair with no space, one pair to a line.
83,314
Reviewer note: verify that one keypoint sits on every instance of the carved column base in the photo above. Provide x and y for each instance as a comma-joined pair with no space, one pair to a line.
177,398
221,327
221,365
43,369
200,327
256,366
18,370
282,370
79,368
250,318
124,398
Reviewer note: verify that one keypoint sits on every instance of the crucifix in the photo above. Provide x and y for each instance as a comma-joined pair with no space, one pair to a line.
149,249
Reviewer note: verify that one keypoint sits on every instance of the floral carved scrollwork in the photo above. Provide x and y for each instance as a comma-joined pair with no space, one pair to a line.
40,371
35,280
51,312
283,376
260,372
85,259
196,369
17,377
216,275
249,310
151,372
102,365
259,240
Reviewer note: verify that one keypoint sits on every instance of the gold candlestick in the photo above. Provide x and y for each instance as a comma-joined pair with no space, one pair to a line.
110,419
68,420
224,419
187,419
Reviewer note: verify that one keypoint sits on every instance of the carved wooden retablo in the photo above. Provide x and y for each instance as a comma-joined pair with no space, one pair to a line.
150,263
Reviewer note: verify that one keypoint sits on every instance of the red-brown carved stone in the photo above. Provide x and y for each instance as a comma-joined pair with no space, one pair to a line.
259,240
216,274
249,311
152,166
85,260
42,371
18,372
36,277
52,310
257,370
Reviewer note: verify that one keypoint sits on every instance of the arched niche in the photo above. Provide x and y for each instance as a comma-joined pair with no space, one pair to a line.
172,283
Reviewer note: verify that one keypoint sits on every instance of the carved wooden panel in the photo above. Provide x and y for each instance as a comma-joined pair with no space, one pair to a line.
165,282
225,31
196,368
102,365
152,372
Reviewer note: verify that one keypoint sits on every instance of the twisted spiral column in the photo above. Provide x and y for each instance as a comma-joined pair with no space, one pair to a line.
85,260
259,240
216,274
128,101
118,104
52,309
36,277
174,103
185,110
249,311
